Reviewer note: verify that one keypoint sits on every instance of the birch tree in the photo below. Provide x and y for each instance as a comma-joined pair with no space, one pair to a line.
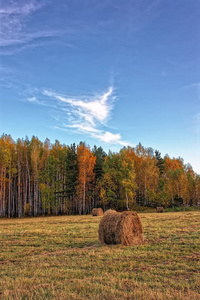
86,162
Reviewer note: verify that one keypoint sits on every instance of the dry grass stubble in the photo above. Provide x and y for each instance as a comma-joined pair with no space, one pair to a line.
61,258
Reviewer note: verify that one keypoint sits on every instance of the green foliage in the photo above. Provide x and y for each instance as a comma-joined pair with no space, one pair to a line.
119,180
160,162
128,183
100,157
111,187
46,177
71,171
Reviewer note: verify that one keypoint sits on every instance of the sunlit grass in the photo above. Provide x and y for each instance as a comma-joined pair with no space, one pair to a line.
61,258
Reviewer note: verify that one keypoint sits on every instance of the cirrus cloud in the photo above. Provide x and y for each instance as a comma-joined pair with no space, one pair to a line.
83,114
16,32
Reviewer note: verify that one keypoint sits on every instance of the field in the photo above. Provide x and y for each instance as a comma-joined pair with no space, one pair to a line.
61,258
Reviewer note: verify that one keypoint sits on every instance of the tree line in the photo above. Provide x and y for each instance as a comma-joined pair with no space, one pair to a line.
39,178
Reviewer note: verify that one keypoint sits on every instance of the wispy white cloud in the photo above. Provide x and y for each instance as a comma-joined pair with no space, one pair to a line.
17,9
84,114
97,109
34,43
14,16
84,128
35,101
32,99
192,85
111,138
8,78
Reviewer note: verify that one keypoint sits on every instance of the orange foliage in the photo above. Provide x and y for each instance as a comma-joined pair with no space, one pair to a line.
86,162
173,164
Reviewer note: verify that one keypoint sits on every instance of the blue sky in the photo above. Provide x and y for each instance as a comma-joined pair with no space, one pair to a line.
110,73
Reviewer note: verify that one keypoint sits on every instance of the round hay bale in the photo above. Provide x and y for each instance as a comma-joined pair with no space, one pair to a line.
110,211
97,212
160,209
121,228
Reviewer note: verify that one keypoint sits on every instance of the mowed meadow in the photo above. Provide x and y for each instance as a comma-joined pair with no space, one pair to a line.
61,258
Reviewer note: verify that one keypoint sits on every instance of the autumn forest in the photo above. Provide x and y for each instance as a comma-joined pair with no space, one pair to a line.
39,178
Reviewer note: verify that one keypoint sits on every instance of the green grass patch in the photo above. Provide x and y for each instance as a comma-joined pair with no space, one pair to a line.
182,208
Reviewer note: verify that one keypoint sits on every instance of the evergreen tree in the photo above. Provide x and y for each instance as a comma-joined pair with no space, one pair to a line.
160,162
